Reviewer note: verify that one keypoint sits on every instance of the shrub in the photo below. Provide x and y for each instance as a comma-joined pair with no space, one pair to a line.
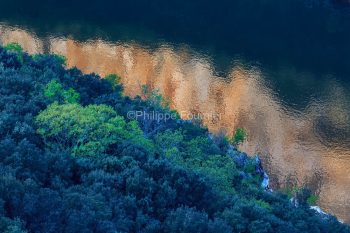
55,92
239,136
113,79
312,200
14,47
86,130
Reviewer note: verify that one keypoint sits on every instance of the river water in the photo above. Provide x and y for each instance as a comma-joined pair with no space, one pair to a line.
285,81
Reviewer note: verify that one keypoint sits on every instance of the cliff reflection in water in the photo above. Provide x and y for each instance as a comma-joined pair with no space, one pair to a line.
309,146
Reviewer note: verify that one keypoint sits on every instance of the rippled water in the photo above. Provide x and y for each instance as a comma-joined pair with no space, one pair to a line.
298,119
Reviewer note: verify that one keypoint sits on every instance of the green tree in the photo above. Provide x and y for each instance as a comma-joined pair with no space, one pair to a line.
239,136
192,154
87,130
61,59
169,142
55,92
312,200
113,79
15,48
222,169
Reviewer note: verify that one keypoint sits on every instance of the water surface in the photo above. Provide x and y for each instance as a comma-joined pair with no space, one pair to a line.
285,79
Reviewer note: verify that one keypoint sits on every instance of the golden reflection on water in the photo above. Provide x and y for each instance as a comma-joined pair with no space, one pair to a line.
287,140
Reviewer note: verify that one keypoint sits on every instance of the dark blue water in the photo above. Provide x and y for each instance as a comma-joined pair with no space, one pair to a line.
285,64
311,34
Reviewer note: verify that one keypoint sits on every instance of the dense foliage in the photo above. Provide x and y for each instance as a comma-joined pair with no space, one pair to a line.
71,161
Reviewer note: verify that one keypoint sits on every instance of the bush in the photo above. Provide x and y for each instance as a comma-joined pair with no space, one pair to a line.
55,92
86,130
239,136
14,47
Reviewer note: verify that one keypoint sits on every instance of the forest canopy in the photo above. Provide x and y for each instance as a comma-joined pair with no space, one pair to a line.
72,161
